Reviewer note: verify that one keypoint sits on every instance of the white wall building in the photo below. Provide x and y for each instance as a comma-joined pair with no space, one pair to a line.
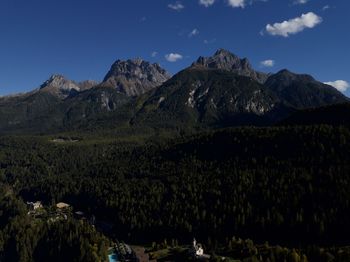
34,205
199,251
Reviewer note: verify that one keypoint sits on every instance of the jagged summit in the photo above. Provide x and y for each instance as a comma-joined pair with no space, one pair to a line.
60,86
58,80
225,60
135,76
222,51
217,91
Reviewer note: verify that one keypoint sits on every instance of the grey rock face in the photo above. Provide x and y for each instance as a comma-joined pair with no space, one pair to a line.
135,77
227,61
88,84
60,86
60,82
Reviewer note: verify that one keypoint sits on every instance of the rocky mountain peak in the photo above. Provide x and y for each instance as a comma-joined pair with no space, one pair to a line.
137,61
286,77
60,82
225,60
135,76
222,51
302,90
60,86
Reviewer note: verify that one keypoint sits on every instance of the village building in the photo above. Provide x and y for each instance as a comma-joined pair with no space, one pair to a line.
197,248
124,252
198,251
34,205
62,205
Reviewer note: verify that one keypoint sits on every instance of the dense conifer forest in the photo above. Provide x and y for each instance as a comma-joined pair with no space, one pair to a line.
285,185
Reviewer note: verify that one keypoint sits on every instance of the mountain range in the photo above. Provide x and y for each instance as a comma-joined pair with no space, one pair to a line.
217,91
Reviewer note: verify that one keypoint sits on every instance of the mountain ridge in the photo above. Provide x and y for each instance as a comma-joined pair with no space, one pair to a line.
225,60
219,91
134,77
62,87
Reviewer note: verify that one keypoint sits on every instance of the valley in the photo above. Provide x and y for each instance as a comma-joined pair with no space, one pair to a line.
252,165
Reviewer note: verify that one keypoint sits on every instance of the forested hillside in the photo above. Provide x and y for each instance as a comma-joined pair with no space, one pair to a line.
23,238
286,185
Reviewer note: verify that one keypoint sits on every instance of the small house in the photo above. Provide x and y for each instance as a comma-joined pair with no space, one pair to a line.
34,205
198,251
62,205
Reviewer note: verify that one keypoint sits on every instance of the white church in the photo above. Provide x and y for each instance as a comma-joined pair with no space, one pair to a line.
198,251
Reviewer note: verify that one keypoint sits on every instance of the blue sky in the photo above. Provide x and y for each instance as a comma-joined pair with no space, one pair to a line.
82,38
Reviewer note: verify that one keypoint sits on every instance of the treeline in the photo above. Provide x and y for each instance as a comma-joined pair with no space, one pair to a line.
287,185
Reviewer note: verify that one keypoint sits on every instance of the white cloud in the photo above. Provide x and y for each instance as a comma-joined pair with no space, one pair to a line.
173,57
154,54
194,32
176,6
340,85
232,3
206,3
267,63
294,25
325,7
237,3
300,2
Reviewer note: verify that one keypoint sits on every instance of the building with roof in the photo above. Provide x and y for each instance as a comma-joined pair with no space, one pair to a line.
62,205
34,205
197,250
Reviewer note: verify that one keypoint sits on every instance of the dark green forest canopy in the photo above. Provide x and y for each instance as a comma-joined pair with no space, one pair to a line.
283,184
23,238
